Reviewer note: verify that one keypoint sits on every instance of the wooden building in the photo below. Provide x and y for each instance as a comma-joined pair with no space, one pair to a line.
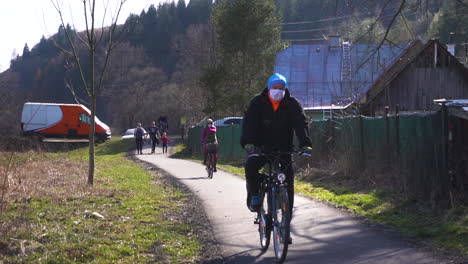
423,73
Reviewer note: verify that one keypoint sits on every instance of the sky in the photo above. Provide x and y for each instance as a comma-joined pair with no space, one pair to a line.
26,21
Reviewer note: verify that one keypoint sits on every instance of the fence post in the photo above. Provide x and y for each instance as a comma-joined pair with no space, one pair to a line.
361,143
232,142
445,175
399,180
329,139
397,128
387,138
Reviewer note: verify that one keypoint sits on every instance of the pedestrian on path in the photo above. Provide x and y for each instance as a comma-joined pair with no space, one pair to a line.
154,135
139,134
165,140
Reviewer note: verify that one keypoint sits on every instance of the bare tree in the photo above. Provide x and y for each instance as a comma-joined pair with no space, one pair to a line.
92,39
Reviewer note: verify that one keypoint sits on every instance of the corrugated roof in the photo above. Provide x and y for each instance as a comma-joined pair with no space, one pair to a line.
314,71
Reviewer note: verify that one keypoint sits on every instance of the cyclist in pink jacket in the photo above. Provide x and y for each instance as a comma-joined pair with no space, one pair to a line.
209,141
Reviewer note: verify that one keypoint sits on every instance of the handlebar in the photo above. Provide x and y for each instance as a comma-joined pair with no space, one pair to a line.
279,153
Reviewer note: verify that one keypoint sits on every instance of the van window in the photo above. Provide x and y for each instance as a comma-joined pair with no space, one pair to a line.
84,118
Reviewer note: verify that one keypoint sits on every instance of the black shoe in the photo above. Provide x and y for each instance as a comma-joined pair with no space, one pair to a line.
214,169
255,203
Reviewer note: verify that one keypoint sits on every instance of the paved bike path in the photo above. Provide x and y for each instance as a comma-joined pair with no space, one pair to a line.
320,233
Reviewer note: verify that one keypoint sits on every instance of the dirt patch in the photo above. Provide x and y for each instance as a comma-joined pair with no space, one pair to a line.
192,214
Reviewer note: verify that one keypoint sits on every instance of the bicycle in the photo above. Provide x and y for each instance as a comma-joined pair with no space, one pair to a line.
163,126
274,212
210,160
209,165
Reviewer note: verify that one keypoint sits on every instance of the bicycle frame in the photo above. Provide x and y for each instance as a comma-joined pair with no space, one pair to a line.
274,187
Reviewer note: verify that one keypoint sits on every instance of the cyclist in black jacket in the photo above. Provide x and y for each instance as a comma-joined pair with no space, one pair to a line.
269,124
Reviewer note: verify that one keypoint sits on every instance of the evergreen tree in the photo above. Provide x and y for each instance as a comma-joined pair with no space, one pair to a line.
26,51
181,15
453,17
249,38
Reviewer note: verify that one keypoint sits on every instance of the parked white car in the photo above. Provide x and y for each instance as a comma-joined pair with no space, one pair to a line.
228,121
130,133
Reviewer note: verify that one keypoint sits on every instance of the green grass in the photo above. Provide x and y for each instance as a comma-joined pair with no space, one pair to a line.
448,229
139,225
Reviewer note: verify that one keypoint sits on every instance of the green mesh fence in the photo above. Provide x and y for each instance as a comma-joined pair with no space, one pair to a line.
228,139
194,140
409,146
421,143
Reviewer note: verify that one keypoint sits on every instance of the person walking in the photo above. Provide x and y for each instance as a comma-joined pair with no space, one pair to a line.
164,141
139,134
163,123
153,131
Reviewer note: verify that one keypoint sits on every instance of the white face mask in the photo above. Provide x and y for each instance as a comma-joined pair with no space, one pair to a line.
277,94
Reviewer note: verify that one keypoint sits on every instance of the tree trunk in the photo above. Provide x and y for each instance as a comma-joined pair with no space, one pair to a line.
92,131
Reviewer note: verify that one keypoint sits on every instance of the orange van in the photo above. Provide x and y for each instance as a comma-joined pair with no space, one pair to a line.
60,120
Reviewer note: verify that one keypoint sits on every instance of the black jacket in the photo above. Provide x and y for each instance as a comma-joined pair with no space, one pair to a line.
264,127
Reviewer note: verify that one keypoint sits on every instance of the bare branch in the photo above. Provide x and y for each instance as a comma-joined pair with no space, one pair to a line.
102,23
461,3
75,54
110,45
85,12
407,27
68,53
84,42
375,22
402,4
93,20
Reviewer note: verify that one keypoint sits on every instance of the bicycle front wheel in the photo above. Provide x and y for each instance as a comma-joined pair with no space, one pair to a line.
264,224
281,221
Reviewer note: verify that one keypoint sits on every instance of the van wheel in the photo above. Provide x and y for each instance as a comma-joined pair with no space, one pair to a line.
99,139
38,138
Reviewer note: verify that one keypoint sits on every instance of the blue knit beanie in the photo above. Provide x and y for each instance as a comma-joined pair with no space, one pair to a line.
277,78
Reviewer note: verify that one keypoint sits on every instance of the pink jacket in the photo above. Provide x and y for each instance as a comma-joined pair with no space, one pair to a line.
209,135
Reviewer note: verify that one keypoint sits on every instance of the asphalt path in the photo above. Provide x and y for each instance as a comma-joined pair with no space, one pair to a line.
320,233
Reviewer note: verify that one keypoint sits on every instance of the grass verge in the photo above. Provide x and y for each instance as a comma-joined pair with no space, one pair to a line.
142,216
444,229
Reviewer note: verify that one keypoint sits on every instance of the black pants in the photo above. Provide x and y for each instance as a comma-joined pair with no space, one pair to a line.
164,147
139,145
154,142
254,164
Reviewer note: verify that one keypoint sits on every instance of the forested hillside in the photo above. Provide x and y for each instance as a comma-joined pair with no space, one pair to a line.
208,58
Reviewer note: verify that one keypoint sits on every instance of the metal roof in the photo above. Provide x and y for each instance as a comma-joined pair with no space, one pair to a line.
314,71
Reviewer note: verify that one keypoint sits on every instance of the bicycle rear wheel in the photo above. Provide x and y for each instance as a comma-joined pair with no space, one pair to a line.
281,221
264,224
209,165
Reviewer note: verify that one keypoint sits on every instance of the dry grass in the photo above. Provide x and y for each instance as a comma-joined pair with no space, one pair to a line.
26,175
343,172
